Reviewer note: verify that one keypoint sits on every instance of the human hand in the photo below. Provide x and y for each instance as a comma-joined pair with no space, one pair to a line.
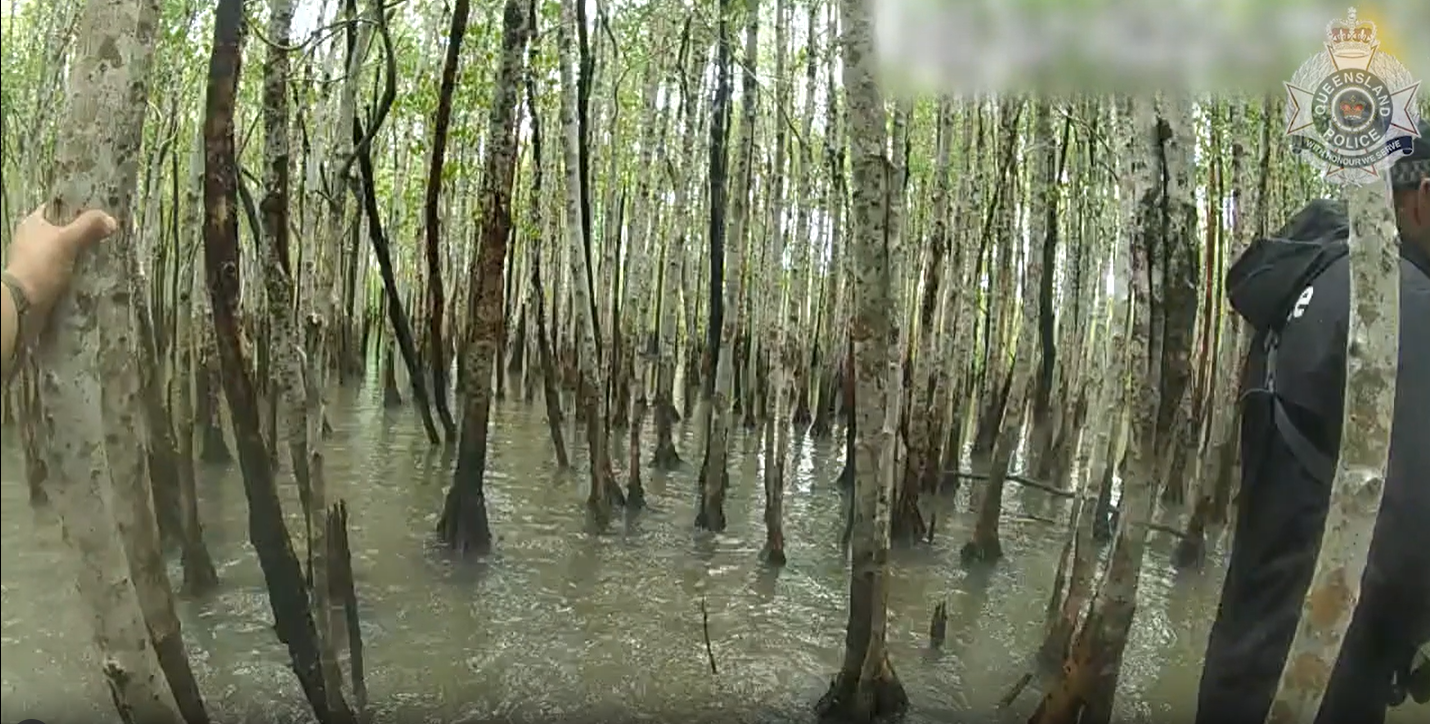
42,255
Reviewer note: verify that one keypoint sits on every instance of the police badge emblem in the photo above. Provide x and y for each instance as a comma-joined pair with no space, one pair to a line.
1351,109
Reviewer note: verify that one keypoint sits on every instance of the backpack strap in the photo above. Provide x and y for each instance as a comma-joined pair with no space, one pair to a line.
1321,466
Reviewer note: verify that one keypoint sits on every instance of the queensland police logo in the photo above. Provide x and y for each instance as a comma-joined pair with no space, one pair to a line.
1351,109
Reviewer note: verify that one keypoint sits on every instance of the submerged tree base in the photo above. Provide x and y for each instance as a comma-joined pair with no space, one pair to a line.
853,701
1088,677
214,448
908,524
986,550
666,458
200,577
635,495
1191,550
464,526
774,551
600,510
711,515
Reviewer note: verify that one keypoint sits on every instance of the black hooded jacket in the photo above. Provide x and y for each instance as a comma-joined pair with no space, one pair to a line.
1294,291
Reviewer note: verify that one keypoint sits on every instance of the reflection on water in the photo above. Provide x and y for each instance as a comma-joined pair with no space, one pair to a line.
559,623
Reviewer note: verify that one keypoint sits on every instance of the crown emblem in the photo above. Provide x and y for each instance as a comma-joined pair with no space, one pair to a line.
1351,42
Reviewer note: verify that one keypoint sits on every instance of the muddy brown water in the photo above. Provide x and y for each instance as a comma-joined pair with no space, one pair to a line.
562,625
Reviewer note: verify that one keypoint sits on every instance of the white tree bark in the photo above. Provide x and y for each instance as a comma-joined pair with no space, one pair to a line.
1372,357
97,166
602,480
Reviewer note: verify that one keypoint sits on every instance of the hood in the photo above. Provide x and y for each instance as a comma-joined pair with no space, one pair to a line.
1265,281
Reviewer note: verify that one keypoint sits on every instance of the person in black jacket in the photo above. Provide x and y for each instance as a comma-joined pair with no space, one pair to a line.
1294,291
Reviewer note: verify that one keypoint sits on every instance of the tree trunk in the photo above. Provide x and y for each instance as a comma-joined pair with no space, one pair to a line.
213,447
464,526
1111,393
1234,344
829,354
1088,681
1373,334
867,686
435,300
97,153
287,589
666,456
779,310
714,475
720,342
199,575
401,327
551,393
287,336
921,464
639,286
200,578
604,491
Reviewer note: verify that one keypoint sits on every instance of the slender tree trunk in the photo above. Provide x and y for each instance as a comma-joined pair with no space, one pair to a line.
435,301
666,456
829,353
778,310
199,575
1233,346
985,544
714,475
867,687
464,526
401,327
287,589
639,286
908,520
604,490
1088,681
551,392
803,269
213,448
1111,393
287,338
1374,333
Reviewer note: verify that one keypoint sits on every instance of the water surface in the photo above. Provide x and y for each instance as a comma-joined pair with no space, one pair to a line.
559,624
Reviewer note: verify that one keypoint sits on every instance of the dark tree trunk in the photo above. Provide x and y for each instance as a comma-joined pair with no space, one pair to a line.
435,300
719,158
508,274
207,386
1041,445
287,588
615,393
352,357
391,397
990,419
395,312
551,392
464,526
548,371
825,380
